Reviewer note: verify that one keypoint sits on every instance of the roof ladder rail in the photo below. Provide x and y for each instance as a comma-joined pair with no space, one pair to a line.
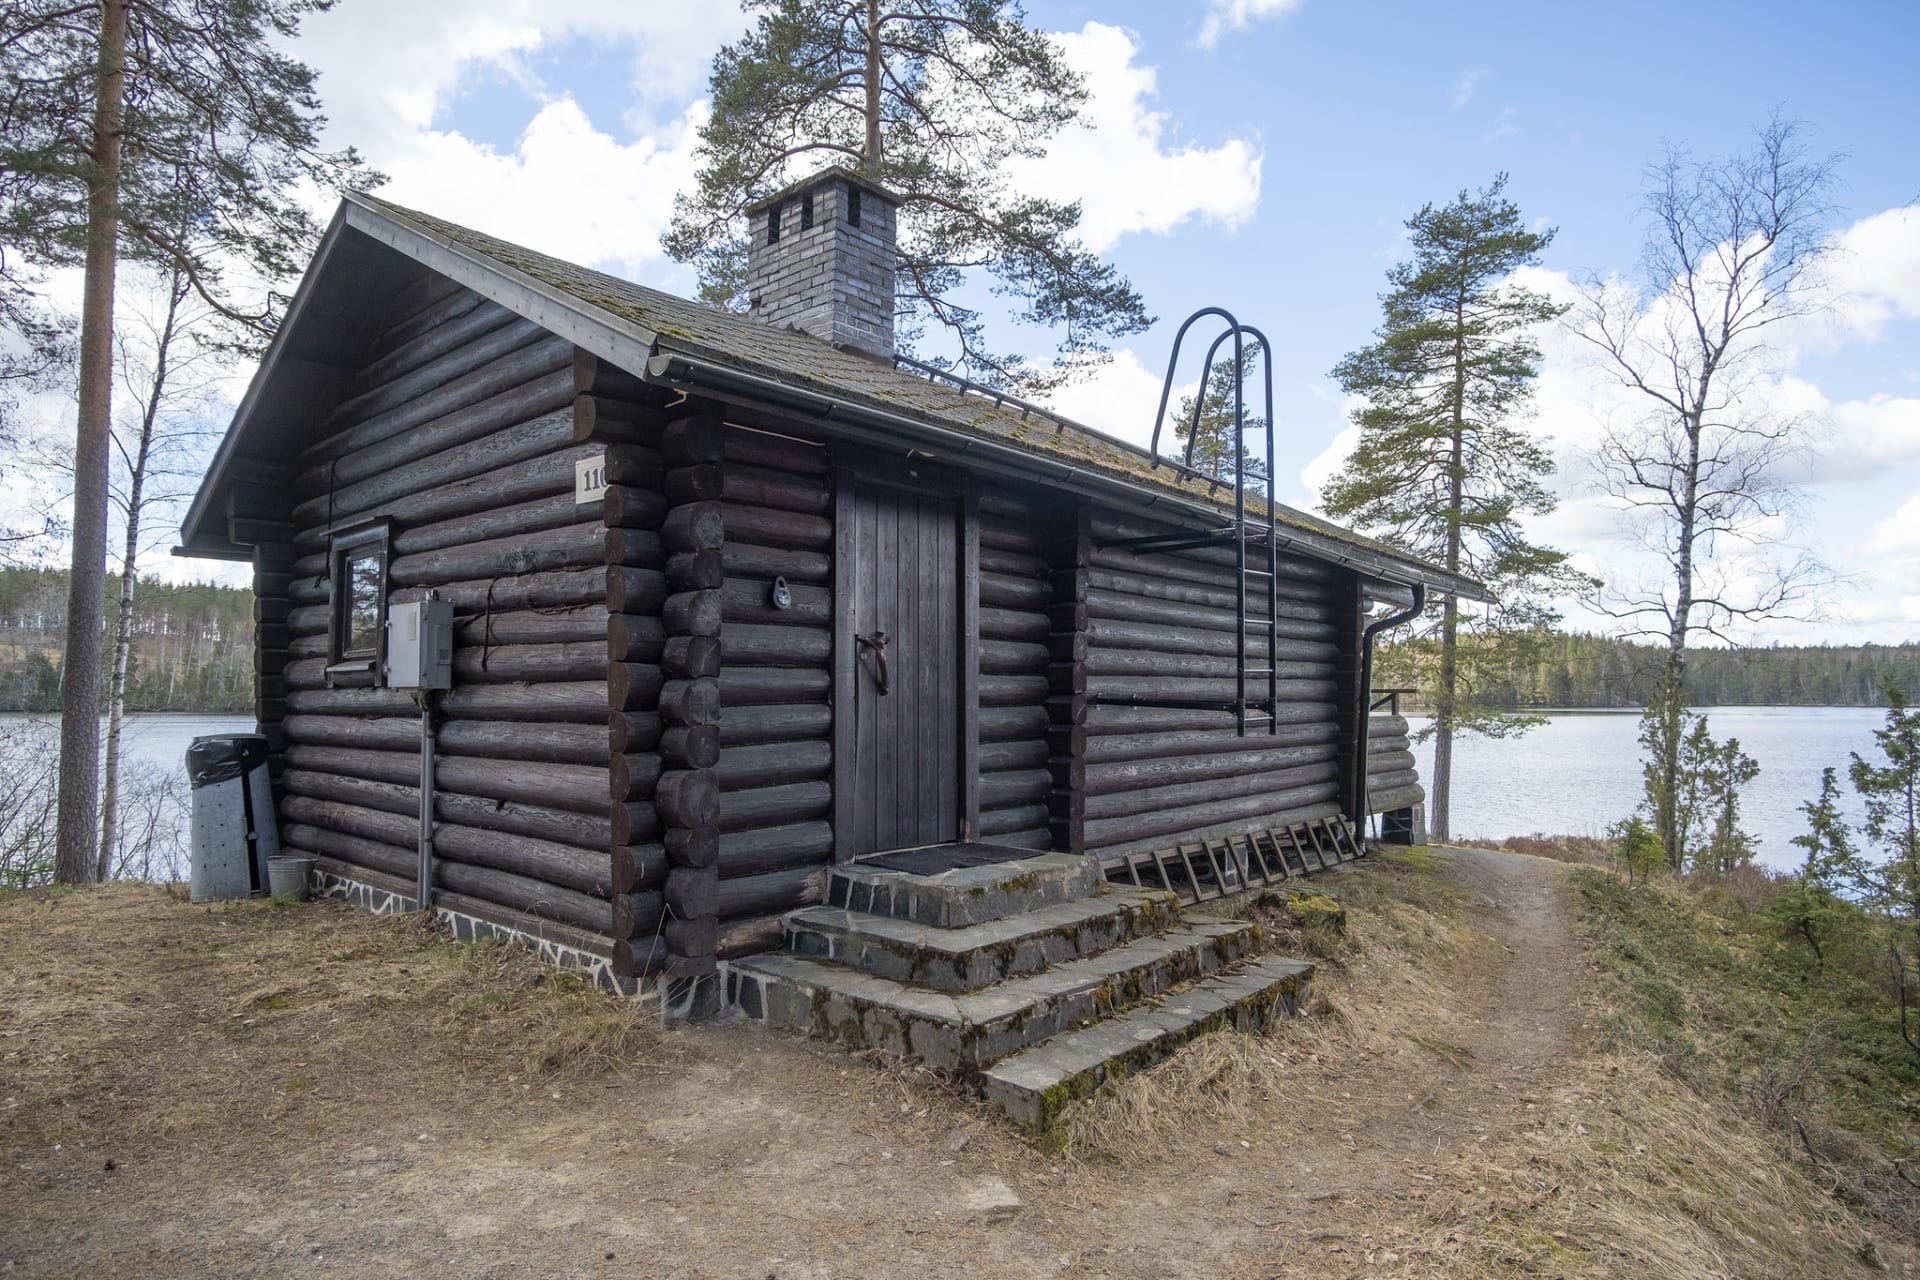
1265,532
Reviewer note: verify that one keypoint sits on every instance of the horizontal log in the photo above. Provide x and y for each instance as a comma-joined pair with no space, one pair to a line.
1005,591
1303,602
1156,826
1395,780
687,798
1012,691
421,497
1024,827
557,589
633,731
1387,726
751,936
779,891
505,385
690,746
746,600
573,702
1385,746
753,645
1015,624
786,454
572,547
766,527
1012,657
751,486
1003,535
1013,723
694,570
1022,753
1108,526
1015,564
635,823
633,466
752,725
774,806
531,626
691,891
1141,800
1114,720
1389,762
577,660
1112,777
770,686
639,915
693,846
695,526
1386,800
692,613
558,826
1134,622
690,702
462,327
772,765
427,304
1159,663
576,873
602,418
761,850
1143,689
544,743
1013,790
763,564
693,441
478,351
1110,748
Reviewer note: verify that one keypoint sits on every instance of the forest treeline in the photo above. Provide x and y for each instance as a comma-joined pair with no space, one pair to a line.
192,644
1578,670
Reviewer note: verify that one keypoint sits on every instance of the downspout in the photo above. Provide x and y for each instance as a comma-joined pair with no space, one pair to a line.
1362,739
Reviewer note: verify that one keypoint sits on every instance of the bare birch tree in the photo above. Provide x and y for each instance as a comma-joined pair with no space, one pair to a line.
1731,256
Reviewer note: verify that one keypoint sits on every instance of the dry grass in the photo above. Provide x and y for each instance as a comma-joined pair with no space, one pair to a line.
1580,851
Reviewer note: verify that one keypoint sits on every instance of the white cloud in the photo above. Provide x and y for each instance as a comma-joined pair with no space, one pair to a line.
1504,126
521,195
1875,271
1237,15
1120,166
1118,398
1464,87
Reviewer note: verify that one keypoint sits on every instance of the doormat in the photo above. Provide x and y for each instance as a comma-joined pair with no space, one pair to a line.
935,858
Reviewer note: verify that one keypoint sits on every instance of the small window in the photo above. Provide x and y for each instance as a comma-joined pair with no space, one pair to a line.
853,205
359,577
806,212
773,225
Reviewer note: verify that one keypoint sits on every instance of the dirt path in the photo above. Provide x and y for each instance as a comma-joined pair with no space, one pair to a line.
186,1092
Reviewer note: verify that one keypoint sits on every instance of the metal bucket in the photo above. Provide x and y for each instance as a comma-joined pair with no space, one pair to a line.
289,877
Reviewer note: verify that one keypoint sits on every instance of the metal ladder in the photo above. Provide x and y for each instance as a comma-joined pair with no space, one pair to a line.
1259,534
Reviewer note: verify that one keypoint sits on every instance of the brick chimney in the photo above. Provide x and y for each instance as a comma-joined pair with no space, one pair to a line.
822,260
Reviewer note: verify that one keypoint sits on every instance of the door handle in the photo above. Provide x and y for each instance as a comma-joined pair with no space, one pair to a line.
876,645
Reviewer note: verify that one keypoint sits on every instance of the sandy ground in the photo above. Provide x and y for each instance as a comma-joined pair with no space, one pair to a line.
245,1091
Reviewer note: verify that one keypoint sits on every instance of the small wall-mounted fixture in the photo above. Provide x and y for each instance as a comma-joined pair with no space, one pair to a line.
779,595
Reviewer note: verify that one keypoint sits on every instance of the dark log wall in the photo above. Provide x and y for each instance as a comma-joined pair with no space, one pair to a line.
1162,624
1018,529
1392,780
459,430
776,723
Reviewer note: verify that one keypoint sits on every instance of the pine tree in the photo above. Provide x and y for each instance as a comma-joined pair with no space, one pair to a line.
125,121
1442,468
928,98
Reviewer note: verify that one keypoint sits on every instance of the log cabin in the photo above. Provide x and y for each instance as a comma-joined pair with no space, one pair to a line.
738,602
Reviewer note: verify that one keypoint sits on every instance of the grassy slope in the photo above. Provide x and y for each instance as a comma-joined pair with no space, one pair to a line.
1739,1016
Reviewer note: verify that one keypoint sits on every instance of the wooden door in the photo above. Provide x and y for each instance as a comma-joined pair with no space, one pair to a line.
900,670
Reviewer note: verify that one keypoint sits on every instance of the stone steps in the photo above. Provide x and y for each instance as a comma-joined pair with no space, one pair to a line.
964,1031
1034,1085
1032,980
979,955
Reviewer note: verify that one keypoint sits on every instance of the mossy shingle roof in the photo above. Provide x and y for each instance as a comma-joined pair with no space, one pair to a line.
807,363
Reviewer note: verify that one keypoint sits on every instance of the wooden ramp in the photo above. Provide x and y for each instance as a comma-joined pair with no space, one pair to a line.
1202,870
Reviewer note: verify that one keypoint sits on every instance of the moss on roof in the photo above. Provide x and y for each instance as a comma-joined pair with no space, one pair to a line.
810,364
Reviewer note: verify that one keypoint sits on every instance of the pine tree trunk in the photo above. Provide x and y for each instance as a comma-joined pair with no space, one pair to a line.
1440,812
79,790
872,156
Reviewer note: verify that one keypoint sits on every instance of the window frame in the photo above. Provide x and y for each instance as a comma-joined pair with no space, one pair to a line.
344,548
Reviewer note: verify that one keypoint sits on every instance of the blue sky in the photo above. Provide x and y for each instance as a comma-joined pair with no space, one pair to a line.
1270,171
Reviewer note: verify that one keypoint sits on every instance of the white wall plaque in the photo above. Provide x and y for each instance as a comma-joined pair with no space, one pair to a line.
590,479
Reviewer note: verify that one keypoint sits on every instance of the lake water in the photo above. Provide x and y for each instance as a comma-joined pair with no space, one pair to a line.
1580,772
1575,775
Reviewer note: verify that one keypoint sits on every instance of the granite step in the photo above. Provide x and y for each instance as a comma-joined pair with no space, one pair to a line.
966,895
964,1031
979,955
1036,1084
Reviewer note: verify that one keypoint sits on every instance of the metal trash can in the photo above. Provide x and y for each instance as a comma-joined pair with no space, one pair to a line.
233,831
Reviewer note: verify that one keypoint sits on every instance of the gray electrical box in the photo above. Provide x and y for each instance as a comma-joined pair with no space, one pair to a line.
420,645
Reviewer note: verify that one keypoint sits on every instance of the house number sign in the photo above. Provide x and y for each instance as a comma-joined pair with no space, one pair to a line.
590,479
